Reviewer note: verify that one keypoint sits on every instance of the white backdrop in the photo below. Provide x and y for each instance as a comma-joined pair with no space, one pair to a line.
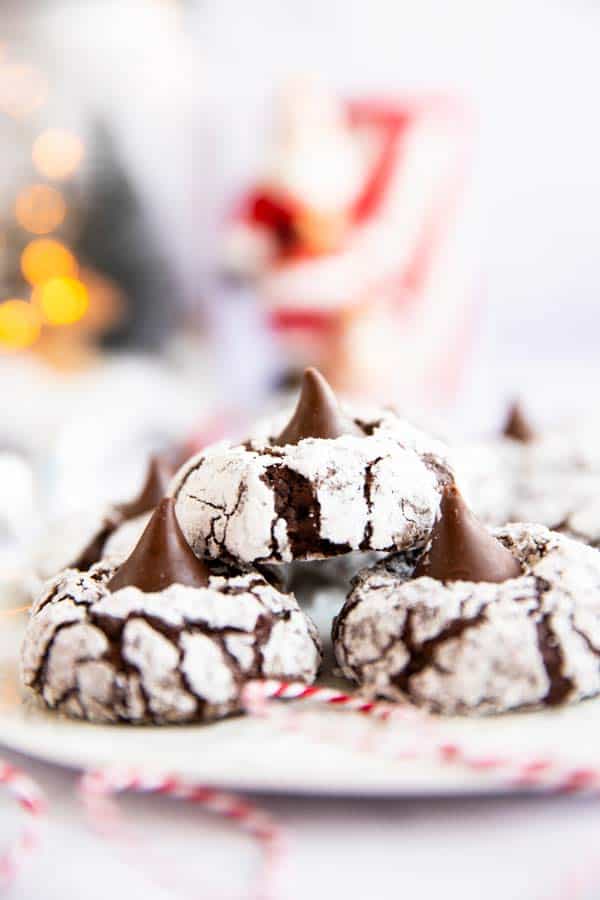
531,71
188,98
189,87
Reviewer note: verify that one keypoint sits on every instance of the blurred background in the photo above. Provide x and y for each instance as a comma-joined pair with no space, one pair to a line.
198,198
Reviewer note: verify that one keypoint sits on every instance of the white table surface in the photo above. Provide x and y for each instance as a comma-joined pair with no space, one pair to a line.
510,849
519,849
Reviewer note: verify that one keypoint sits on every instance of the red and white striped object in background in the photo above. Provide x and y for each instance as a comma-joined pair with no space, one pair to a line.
98,786
521,771
30,799
371,281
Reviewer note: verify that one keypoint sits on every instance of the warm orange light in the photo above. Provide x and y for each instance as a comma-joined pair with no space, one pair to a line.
23,89
44,258
63,301
40,208
107,302
19,324
15,610
57,153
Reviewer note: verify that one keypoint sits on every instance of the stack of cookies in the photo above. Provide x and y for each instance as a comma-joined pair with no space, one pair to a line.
169,612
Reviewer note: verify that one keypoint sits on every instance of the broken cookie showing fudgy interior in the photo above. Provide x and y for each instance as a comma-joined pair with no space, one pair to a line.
487,621
328,483
162,638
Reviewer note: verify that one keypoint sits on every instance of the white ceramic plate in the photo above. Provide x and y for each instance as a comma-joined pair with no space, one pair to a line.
313,752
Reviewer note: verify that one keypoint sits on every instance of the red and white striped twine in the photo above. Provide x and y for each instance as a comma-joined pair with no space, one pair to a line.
99,785
256,695
525,772
31,800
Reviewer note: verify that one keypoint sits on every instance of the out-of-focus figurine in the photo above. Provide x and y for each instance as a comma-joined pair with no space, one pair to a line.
353,238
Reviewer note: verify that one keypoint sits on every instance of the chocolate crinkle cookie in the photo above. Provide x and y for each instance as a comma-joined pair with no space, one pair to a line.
524,475
329,483
109,532
583,523
485,623
162,639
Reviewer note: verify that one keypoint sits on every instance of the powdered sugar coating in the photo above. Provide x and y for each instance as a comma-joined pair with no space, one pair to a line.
543,482
583,523
460,647
68,538
425,436
180,655
120,544
314,500
64,544
101,525
487,474
573,445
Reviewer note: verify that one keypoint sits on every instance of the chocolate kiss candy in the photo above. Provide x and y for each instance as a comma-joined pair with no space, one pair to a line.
517,427
155,487
93,551
462,549
175,456
161,557
317,414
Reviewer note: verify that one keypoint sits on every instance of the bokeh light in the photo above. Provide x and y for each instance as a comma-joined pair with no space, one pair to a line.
107,301
62,301
57,153
40,208
44,258
20,324
23,89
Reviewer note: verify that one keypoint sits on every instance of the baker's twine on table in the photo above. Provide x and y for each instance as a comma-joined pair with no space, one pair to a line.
527,772
98,786
31,800
531,773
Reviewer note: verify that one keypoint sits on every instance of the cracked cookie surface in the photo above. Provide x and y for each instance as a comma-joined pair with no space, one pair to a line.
123,539
546,481
316,499
69,539
107,531
461,647
179,655
583,522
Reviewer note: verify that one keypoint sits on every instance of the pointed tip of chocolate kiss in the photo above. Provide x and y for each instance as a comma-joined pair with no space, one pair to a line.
174,457
158,477
317,413
161,557
517,425
462,549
